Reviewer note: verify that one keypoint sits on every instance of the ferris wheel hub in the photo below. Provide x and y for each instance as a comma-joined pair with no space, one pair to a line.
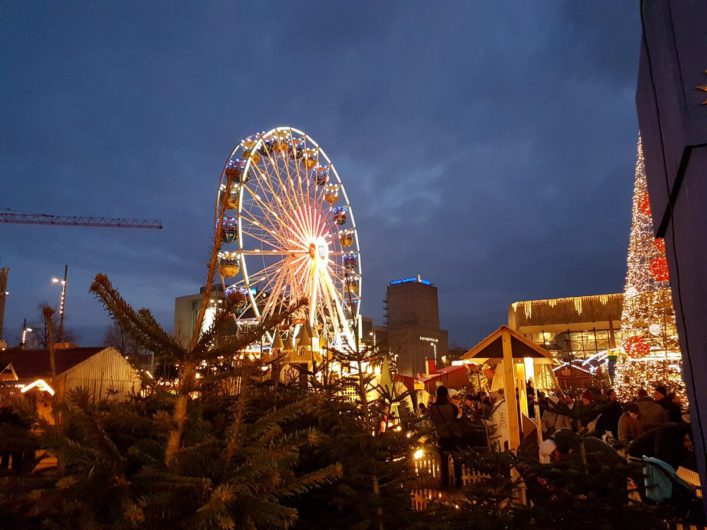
319,251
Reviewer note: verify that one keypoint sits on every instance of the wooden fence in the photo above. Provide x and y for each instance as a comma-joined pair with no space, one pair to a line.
428,471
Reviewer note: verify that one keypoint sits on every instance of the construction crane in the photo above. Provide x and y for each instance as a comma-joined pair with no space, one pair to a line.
74,220
9,217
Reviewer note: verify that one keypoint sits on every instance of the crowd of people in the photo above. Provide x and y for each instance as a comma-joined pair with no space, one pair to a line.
610,431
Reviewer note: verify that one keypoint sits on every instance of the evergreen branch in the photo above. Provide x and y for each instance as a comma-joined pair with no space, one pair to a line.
305,483
140,325
284,414
235,432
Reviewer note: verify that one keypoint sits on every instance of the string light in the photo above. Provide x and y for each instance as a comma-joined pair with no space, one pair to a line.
650,351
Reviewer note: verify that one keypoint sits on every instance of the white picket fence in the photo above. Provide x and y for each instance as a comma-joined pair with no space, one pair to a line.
428,469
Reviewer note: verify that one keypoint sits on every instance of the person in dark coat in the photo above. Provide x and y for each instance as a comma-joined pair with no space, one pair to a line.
665,400
652,414
444,417
567,444
610,415
666,442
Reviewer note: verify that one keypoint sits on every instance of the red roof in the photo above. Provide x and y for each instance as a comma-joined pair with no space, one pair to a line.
35,363
441,371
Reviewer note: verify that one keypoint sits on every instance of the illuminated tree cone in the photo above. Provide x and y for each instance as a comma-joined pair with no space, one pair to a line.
650,352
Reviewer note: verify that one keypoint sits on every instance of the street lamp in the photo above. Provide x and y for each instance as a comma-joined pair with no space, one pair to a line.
433,342
25,331
62,301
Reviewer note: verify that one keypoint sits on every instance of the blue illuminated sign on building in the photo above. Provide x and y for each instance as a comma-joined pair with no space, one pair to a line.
414,279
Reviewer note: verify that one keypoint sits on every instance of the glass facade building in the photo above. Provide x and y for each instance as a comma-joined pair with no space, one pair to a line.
572,329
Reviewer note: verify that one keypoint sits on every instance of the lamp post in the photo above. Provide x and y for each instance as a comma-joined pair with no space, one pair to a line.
62,301
433,342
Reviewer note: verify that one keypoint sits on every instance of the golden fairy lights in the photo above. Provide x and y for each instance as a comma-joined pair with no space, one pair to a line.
650,352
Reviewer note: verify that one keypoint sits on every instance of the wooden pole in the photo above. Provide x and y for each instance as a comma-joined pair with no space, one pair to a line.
522,391
509,386
509,391
48,312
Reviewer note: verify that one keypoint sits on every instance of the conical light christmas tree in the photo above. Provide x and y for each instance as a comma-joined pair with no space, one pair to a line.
650,352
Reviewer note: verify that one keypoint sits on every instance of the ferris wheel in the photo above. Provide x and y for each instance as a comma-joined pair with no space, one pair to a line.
288,232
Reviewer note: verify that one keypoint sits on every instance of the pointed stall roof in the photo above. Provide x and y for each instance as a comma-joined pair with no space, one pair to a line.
277,344
491,347
304,337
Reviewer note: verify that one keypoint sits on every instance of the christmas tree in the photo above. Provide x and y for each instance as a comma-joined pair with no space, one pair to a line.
650,352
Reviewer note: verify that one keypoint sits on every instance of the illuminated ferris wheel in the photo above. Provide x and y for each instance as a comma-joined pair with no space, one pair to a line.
287,233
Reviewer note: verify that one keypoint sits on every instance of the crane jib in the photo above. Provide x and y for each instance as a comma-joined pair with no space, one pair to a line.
103,222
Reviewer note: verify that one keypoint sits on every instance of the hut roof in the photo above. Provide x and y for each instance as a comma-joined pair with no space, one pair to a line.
491,347
35,363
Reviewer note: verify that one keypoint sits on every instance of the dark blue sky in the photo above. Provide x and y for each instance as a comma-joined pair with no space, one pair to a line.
488,146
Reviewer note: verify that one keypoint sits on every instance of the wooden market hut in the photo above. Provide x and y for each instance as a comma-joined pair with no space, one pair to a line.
104,372
520,359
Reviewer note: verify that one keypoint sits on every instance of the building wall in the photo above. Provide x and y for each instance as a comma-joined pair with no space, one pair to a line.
185,312
405,342
413,304
673,120
106,375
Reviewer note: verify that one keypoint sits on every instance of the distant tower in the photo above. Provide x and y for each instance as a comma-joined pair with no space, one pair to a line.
414,334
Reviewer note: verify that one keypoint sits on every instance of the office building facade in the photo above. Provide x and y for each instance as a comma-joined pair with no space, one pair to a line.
412,324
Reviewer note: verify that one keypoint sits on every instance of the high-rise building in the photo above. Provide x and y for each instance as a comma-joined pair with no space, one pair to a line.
186,310
412,320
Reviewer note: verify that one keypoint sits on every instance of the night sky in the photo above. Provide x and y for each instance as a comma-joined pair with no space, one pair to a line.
488,146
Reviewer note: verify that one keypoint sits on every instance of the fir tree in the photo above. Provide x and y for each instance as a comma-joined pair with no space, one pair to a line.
231,468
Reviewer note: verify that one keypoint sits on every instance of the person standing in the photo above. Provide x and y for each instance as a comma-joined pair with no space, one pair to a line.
652,414
630,425
497,423
610,415
555,417
444,417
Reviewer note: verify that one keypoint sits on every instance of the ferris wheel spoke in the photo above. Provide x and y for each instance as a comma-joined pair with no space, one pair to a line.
260,278
291,179
258,252
294,186
261,238
275,297
333,313
264,236
277,237
270,214
339,305
266,179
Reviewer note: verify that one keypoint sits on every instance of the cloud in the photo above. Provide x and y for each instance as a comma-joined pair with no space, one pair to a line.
487,146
